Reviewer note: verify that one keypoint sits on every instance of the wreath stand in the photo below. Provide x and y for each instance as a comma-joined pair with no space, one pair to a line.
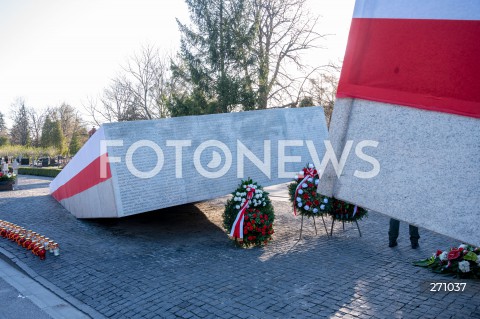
343,225
315,225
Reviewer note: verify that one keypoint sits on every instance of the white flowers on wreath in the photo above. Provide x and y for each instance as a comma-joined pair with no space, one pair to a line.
443,256
258,199
464,266
305,183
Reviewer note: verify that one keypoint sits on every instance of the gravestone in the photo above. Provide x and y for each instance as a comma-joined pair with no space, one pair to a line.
414,91
149,165
45,161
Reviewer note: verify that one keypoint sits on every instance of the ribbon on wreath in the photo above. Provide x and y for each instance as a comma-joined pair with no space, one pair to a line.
354,211
309,173
237,227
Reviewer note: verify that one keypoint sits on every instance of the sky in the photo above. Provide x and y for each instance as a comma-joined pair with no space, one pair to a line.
54,51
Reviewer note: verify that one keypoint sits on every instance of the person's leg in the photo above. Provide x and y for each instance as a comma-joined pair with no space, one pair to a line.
414,236
393,232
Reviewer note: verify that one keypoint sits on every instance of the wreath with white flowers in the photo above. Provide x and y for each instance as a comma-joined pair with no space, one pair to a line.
249,216
303,194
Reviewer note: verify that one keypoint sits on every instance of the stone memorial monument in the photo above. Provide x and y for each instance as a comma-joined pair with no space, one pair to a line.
128,168
410,87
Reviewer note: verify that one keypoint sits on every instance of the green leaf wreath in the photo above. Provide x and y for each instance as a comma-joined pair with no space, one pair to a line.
258,218
303,194
346,212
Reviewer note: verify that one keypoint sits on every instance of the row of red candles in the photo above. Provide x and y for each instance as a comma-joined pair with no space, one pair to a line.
28,239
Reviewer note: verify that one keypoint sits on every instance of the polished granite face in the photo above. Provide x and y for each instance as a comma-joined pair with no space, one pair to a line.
429,165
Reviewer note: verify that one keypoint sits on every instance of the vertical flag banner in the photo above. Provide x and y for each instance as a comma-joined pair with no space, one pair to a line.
424,54
410,82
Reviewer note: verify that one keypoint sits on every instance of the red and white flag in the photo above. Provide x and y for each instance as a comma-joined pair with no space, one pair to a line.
419,53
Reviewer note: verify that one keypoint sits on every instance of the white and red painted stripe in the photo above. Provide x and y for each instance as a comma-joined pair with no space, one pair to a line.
83,171
424,54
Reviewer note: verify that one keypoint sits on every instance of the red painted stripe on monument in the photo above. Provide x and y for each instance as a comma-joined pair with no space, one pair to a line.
85,179
428,64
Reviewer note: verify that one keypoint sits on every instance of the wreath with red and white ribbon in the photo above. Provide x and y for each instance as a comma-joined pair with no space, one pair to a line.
249,216
303,194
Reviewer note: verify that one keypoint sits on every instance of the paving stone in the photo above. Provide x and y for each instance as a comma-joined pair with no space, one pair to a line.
178,262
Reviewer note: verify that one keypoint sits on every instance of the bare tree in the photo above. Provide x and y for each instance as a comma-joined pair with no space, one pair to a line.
143,69
116,104
286,30
321,89
119,101
96,112
37,118
149,74
140,92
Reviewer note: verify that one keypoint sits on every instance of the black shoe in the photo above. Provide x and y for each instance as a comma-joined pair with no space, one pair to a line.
392,243
415,245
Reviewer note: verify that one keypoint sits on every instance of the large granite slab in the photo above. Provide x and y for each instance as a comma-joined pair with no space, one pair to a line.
162,163
429,165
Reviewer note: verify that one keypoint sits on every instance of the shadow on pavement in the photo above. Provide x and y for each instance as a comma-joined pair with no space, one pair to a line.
184,223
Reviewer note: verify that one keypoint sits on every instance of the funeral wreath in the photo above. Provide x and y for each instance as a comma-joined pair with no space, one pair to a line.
249,216
303,194
9,177
346,212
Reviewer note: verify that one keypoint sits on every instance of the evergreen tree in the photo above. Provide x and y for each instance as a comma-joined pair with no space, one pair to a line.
214,58
57,137
52,135
3,140
3,125
3,130
74,144
243,54
46,139
20,133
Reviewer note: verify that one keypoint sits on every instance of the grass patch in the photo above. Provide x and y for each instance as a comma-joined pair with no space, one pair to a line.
48,172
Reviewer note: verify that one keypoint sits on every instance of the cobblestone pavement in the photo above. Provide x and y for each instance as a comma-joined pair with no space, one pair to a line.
179,262
16,305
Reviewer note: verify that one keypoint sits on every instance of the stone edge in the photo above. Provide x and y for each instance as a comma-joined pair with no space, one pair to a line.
10,258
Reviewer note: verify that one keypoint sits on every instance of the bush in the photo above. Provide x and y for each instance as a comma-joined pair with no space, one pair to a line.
48,172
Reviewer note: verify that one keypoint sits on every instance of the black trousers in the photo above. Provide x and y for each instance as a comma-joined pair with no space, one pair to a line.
394,229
